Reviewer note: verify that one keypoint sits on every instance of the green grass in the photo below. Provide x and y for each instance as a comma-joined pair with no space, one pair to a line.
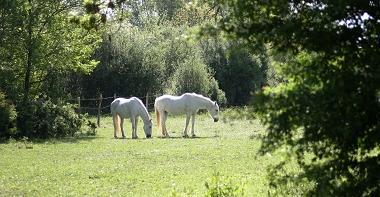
103,166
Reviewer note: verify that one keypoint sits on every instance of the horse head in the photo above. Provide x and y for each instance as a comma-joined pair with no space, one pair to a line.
214,111
148,128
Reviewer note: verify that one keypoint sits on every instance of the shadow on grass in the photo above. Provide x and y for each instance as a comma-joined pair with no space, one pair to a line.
161,137
67,139
189,138
75,139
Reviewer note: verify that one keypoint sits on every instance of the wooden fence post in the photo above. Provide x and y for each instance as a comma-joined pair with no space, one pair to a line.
78,101
147,101
99,108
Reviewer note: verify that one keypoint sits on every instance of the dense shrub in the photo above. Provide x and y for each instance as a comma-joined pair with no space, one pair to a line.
7,117
239,70
215,93
194,76
46,120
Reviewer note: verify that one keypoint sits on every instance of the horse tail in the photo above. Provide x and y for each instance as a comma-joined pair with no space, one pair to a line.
116,122
115,116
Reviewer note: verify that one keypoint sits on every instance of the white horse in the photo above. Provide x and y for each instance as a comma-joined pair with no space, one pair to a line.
189,104
130,108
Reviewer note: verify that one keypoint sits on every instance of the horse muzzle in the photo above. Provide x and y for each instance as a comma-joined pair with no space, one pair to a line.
148,136
216,119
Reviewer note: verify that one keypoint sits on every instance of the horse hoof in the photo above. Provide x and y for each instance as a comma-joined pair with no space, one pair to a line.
115,137
136,137
193,136
185,136
123,137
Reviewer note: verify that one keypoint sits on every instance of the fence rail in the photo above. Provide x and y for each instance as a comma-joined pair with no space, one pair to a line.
99,101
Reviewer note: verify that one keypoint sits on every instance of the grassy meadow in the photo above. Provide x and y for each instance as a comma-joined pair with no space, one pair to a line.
104,166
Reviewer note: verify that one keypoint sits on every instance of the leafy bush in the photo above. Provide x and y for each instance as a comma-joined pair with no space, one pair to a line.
239,70
194,76
7,117
222,186
215,93
89,127
46,120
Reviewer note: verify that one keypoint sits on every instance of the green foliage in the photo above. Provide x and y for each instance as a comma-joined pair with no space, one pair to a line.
153,46
89,127
7,117
333,129
191,76
131,62
286,181
216,93
135,61
40,43
222,186
328,107
194,76
45,119
238,70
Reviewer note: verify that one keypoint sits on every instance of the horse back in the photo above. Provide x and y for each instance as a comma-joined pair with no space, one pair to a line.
124,107
172,104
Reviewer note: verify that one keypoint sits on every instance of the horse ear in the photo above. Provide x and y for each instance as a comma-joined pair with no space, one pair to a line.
214,102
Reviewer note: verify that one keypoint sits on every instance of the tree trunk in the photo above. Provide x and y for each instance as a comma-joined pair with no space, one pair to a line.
29,48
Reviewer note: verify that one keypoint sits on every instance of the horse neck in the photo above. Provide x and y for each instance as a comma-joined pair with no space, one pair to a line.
144,114
204,103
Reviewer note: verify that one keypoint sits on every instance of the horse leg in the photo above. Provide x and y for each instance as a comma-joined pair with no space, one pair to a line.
115,124
192,125
163,124
135,130
122,127
187,124
133,127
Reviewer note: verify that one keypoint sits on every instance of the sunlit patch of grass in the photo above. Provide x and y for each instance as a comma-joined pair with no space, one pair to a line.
104,166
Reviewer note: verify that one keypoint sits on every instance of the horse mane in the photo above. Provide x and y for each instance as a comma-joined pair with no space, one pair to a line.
142,106
199,96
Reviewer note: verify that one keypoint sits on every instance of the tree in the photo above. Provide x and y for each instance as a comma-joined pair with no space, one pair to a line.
329,106
163,32
40,45
7,117
137,61
131,63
